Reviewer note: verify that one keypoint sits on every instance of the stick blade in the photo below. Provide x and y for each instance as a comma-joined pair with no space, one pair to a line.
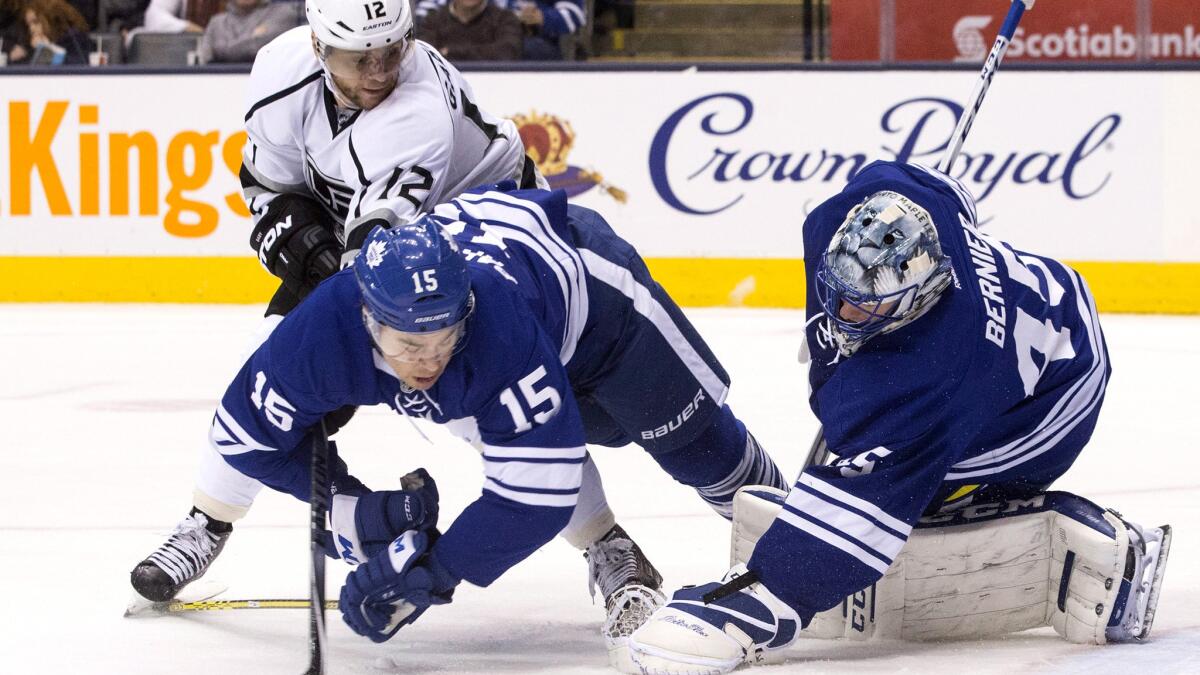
197,591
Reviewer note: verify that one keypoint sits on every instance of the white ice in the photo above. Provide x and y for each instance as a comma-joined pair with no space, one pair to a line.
105,408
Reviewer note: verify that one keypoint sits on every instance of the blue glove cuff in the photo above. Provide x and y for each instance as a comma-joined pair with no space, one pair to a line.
443,579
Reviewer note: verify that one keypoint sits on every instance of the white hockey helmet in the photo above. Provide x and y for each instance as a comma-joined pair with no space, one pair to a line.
359,25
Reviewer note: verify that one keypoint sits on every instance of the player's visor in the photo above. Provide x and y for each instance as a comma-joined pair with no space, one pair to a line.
437,345
352,64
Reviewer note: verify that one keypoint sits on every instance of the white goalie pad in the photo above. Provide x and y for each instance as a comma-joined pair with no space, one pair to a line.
989,569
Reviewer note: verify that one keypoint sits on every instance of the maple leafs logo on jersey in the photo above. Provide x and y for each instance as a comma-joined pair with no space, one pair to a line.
375,253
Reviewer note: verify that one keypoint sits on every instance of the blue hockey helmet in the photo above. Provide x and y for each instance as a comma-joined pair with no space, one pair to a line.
413,279
883,269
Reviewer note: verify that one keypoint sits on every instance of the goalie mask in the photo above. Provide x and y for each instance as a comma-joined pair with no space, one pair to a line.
883,268
361,45
416,292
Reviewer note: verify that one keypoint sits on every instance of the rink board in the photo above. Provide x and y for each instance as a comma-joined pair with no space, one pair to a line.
708,173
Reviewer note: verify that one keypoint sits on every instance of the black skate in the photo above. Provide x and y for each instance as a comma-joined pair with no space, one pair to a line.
182,559
631,587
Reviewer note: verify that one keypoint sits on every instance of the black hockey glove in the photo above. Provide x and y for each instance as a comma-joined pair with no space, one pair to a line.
295,242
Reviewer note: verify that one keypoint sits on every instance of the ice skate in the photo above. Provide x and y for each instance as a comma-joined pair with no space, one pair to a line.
181,560
1140,584
631,588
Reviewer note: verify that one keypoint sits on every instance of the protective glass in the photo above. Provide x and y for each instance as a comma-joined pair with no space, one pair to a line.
437,345
350,64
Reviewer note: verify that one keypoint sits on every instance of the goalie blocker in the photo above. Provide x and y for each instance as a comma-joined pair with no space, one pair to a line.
987,569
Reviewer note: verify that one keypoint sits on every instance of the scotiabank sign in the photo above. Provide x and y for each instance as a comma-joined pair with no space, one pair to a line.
1060,30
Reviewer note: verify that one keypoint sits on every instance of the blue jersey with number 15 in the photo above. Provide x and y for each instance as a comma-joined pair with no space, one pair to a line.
507,392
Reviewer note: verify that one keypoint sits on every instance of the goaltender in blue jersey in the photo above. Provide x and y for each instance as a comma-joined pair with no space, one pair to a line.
529,328
950,372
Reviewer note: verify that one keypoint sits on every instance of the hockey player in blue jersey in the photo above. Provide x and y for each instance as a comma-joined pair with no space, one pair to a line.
529,328
955,378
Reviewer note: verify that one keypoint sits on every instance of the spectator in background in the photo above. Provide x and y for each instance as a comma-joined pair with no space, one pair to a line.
180,16
473,30
89,10
56,34
236,35
122,16
544,21
14,34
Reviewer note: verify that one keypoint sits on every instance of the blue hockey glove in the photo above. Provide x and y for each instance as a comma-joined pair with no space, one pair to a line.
364,524
394,588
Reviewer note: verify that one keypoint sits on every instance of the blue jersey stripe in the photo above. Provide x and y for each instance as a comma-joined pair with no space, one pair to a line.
536,491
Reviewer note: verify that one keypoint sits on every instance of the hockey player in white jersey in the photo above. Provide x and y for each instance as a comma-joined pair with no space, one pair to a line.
956,378
353,123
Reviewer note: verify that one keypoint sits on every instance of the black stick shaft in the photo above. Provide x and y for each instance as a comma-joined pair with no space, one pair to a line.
318,507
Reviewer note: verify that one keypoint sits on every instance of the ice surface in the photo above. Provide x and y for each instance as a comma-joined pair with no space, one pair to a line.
105,408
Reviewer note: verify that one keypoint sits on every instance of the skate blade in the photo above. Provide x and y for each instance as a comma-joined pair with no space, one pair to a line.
1156,585
201,589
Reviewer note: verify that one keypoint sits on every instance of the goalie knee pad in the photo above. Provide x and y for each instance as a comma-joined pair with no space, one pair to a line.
1049,559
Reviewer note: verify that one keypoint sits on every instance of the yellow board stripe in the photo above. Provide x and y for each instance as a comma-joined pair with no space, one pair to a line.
120,279
1141,287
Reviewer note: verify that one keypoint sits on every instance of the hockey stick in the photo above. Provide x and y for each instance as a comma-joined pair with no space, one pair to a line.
318,506
1007,30
175,607
818,453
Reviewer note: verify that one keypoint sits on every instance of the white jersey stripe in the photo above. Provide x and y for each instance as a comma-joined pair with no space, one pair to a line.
555,476
531,498
506,452
644,303
229,438
835,541
839,495
853,525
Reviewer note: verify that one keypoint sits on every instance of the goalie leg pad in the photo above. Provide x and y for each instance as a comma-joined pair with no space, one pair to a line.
994,568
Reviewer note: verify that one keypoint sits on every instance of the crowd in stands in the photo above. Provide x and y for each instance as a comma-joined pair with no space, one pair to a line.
52,32
471,30
44,31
